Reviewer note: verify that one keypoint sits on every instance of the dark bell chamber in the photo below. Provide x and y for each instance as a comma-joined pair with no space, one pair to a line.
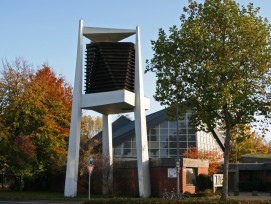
110,66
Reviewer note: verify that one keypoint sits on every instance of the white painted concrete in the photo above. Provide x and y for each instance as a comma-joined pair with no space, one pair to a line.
108,103
107,154
107,34
140,126
74,139
112,102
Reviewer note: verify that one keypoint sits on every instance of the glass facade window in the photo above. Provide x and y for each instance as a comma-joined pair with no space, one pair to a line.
126,149
191,176
162,140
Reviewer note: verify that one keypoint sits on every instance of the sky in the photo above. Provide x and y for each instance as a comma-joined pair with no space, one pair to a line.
47,31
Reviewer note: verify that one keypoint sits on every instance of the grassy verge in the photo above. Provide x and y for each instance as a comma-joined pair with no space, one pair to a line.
165,201
27,196
8,195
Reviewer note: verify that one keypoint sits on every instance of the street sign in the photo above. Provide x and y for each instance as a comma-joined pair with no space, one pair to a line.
171,173
90,169
217,181
90,160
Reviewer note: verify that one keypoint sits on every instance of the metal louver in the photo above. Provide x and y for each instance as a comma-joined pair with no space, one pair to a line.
110,66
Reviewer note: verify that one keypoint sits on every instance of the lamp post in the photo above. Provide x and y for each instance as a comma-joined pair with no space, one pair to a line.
178,153
236,180
177,160
177,140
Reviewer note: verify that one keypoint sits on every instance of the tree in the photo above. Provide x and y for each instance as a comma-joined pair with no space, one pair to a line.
269,147
14,115
35,111
244,141
213,156
54,98
22,158
90,126
218,64
88,146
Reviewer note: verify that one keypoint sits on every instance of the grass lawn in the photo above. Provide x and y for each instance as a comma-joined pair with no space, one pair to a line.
10,195
27,196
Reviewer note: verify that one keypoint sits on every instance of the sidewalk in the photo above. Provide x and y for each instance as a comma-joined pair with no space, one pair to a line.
249,196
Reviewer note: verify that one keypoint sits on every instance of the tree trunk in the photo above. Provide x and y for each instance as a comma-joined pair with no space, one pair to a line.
21,183
3,177
224,195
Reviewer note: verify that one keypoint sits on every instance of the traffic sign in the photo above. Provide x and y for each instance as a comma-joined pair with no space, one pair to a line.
90,160
90,169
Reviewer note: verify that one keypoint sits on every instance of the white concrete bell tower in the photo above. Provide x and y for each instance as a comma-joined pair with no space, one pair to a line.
108,103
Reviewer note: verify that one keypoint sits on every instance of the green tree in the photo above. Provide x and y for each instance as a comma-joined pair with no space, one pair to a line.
218,63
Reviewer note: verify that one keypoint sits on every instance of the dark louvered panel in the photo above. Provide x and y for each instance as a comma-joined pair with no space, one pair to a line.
110,66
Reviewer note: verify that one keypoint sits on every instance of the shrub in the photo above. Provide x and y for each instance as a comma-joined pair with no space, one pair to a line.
204,182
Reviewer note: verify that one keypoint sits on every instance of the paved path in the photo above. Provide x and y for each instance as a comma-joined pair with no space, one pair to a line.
248,196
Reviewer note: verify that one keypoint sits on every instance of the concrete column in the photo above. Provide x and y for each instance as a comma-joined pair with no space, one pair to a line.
140,125
107,154
74,139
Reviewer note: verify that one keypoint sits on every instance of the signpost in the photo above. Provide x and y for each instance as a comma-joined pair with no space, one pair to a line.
171,173
90,167
217,181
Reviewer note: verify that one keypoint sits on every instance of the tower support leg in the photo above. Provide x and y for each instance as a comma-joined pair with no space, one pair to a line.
140,126
107,155
74,139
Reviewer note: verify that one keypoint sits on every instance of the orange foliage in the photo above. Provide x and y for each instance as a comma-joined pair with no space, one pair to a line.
214,157
54,100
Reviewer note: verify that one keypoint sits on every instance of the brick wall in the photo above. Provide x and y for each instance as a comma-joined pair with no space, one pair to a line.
126,179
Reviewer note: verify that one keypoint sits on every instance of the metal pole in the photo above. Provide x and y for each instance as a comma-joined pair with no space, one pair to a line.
236,180
89,186
178,150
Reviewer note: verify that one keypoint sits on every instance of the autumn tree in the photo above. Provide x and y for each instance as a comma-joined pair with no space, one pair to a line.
90,126
214,157
269,147
217,62
89,146
245,141
54,98
15,116
35,112
22,158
